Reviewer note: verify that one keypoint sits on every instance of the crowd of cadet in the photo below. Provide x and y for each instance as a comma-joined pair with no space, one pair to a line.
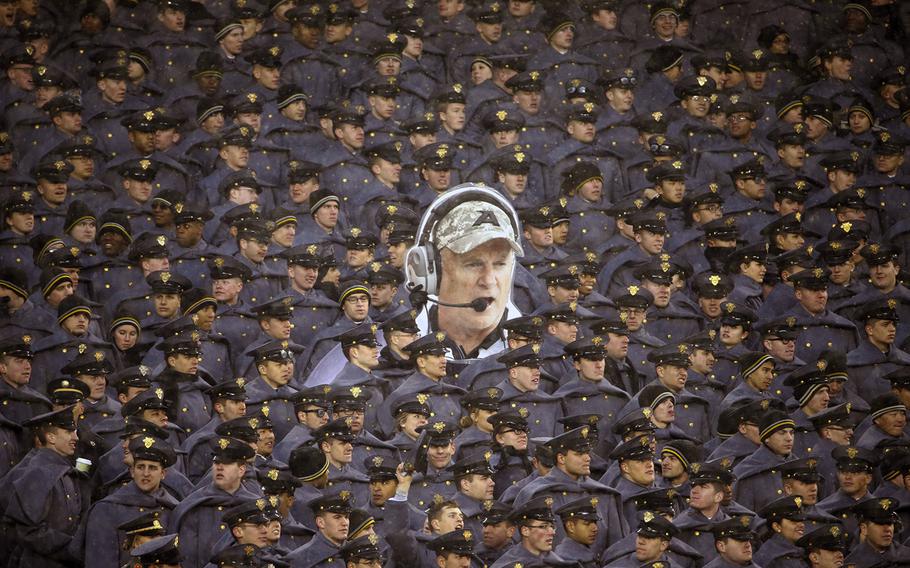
209,356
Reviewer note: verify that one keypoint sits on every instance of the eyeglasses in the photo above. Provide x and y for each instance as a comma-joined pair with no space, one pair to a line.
664,148
514,431
624,82
160,205
579,90
320,412
544,526
700,99
712,208
739,118
782,340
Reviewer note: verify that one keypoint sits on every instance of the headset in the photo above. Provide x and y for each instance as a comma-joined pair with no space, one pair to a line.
422,262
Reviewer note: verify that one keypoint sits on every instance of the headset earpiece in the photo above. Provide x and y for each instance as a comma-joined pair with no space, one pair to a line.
422,262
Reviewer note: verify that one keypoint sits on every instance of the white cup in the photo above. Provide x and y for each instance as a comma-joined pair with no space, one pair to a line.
83,465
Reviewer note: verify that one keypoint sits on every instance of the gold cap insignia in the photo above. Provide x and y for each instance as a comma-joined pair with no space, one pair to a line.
223,443
148,442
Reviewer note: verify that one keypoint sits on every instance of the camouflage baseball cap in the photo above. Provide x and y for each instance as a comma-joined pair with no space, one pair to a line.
473,223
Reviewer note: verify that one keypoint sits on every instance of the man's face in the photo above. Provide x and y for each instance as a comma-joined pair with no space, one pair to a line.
483,272
650,243
433,365
253,249
540,237
528,101
538,536
591,369
496,536
490,32
753,188
22,222
138,190
147,475
340,452
16,370
477,486
563,39
664,25
781,442
166,305
303,277
618,346
173,20
389,173
438,180
268,77
356,306
236,157
565,332
227,289
381,490
673,191
450,519
888,164
740,125
696,105
96,385
189,233
388,66
781,349
705,496
892,423
383,107
365,355
672,376
880,537
761,378
854,483
792,155
808,491
821,558
561,295
277,372
62,441
884,276
334,526
313,416
515,184
54,193
839,67
577,463
660,291
582,131
737,552
327,215
638,471
815,127
814,301
232,44
351,135
21,76
648,549
69,122
881,331
76,324
449,8
525,379
502,138
453,117
440,456
183,363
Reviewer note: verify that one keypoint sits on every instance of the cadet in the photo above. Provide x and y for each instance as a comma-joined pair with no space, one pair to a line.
474,481
671,363
888,418
394,363
453,549
785,518
49,498
350,405
733,543
758,480
20,401
428,355
354,301
229,403
159,552
820,328
92,368
824,542
855,467
569,479
181,378
636,466
335,440
198,515
536,525
876,356
708,490
387,487
332,515
876,534
589,391
511,464
432,458
521,391
270,391
579,521
360,349
311,408
151,458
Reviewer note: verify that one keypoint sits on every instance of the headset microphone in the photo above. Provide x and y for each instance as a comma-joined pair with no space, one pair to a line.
418,297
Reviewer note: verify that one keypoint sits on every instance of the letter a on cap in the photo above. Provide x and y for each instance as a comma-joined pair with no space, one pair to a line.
486,218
